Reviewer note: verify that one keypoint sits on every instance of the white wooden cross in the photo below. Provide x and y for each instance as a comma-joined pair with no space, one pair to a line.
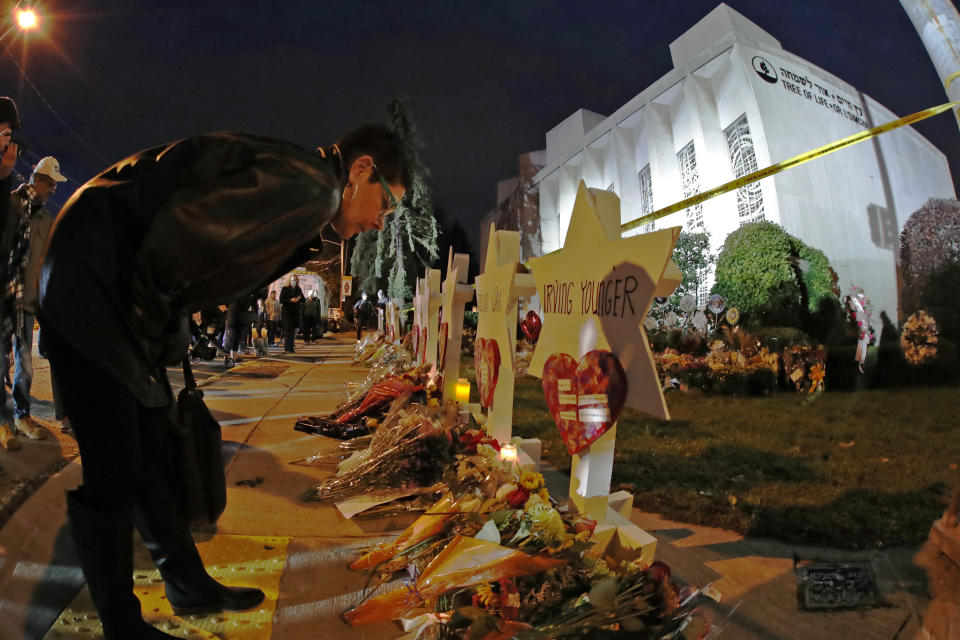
456,294
430,316
498,288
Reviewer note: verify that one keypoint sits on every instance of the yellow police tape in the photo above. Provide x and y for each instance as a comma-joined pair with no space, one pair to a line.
950,78
787,164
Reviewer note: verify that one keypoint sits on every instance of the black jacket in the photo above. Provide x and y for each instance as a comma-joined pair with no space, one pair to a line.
181,227
289,309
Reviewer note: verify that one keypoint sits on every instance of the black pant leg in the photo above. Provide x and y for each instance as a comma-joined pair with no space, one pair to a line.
106,420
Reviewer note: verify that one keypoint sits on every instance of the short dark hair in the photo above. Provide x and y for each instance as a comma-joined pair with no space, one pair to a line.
384,145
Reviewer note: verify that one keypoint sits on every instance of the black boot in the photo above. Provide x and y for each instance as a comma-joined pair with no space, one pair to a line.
190,589
104,544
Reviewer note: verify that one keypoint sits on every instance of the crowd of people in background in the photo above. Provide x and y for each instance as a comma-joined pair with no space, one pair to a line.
279,317
266,317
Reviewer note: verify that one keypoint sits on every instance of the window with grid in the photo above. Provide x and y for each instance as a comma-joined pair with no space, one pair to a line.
743,160
690,183
646,197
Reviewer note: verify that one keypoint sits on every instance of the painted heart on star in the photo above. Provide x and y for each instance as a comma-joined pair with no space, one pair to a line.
585,398
444,335
486,362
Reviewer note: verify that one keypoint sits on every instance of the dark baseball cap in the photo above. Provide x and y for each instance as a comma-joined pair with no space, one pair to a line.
8,112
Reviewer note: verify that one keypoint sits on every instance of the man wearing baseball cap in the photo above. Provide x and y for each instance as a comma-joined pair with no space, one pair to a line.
9,122
27,225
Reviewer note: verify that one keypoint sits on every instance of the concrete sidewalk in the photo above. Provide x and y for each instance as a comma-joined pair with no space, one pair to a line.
297,552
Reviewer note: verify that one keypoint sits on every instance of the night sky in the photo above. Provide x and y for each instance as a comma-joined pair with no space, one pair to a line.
485,80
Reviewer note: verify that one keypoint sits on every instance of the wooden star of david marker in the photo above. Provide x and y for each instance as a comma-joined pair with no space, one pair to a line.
456,294
595,293
611,281
497,291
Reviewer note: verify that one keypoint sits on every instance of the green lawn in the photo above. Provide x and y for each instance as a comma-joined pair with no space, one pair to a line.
853,470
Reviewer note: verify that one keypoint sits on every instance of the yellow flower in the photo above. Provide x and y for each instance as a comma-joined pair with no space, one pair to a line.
544,495
486,596
547,519
583,536
531,480
433,402
816,377
533,502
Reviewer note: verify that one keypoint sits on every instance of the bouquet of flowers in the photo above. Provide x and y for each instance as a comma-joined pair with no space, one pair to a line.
859,311
805,367
366,404
495,557
919,338
410,450
376,349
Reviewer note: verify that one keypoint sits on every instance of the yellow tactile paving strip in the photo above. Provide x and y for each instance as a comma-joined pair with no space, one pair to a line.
254,561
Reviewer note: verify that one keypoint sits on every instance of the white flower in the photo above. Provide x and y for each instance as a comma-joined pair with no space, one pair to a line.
670,319
687,303
651,323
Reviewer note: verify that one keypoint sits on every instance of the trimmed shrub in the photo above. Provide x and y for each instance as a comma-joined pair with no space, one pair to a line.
743,383
773,278
777,338
930,240
941,299
893,370
830,325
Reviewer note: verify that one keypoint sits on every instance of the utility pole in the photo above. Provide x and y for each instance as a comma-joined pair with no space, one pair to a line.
938,25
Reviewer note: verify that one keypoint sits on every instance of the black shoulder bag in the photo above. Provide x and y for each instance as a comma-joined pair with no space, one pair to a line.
198,455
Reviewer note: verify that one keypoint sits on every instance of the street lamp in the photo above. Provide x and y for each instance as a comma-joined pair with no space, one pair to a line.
27,19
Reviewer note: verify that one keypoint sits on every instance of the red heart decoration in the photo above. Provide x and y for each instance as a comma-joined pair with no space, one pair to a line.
531,326
585,398
444,335
486,362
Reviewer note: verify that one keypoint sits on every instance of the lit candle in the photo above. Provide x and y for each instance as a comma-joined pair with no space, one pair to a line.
508,452
463,390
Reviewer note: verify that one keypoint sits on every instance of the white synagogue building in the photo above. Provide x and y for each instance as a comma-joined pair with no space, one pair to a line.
736,101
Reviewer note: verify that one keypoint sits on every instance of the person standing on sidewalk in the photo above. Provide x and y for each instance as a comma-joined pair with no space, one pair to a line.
158,235
9,150
291,297
311,315
324,309
261,317
362,311
28,224
273,317
238,325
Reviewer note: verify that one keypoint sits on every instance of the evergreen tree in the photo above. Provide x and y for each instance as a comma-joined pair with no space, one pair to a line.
362,262
692,256
408,240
